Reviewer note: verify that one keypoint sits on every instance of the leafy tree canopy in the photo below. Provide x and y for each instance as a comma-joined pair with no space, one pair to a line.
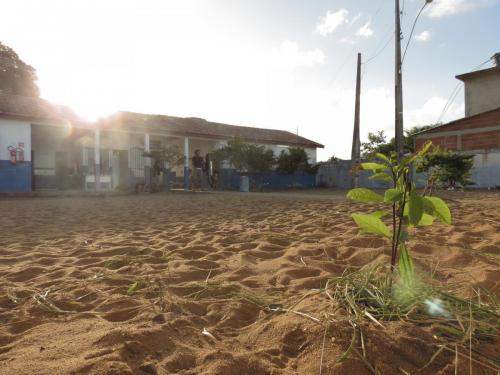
294,160
169,154
447,168
245,156
16,77
377,142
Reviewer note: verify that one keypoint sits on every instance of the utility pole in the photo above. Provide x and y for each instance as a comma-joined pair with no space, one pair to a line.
356,143
398,89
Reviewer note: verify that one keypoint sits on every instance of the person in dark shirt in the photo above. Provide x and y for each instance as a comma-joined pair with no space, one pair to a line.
197,162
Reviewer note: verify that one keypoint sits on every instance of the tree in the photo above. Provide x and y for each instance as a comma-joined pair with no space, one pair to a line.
410,136
377,142
171,155
294,160
448,168
16,77
245,156
259,158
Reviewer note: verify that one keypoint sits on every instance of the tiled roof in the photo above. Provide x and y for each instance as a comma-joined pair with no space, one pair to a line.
33,108
199,127
481,120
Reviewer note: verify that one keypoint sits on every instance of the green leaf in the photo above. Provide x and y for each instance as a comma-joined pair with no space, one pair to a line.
131,289
364,195
378,214
371,224
419,153
426,220
373,166
393,195
405,265
438,208
383,157
382,176
415,208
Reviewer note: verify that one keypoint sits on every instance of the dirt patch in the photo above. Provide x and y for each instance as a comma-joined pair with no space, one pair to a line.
196,284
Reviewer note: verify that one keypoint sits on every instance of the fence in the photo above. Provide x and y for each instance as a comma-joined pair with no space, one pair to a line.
229,179
339,174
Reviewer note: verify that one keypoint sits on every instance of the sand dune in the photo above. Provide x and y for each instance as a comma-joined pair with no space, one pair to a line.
128,285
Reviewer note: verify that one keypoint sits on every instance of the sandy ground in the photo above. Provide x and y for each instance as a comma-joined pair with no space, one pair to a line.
127,285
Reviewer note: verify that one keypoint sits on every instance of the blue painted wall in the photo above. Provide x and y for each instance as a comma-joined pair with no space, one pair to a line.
15,178
229,179
339,174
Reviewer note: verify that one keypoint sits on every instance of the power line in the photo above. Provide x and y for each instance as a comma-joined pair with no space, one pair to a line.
378,53
341,67
450,101
413,29
349,54
455,92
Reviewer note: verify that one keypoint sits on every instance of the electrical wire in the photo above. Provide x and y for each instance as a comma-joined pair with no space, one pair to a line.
413,29
342,66
378,53
349,54
455,92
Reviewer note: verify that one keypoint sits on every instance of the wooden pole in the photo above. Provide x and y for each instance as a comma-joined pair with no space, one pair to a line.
399,135
356,142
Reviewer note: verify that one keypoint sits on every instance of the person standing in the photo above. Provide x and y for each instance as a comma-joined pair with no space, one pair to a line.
197,162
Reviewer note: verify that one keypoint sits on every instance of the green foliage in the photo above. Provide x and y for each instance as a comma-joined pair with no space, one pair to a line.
436,207
377,142
294,160
170,154
16,77
407,207
245,156
259,158
369,223
447,168
364,195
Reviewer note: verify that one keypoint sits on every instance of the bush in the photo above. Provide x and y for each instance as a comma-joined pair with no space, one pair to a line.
171,155
295,160
245,156
447,168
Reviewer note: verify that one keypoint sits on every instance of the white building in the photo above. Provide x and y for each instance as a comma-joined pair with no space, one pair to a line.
45,146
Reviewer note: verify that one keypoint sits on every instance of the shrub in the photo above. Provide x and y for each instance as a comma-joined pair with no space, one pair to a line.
294,160
447,168
171,155
245,156
407,207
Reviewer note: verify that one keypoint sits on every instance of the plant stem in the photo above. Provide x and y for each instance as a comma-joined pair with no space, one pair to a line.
393,249
400,223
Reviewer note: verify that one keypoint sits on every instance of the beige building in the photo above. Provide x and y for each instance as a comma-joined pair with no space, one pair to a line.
482,89
478,133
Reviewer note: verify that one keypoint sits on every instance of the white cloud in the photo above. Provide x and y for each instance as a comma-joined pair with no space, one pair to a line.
331,21
349,40
355,19
288,55
424,36
441,8
365,31
430,112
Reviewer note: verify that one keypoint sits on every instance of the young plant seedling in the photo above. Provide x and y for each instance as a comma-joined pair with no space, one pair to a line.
406,206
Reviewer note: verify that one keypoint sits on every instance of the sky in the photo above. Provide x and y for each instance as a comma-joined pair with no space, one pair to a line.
282,64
